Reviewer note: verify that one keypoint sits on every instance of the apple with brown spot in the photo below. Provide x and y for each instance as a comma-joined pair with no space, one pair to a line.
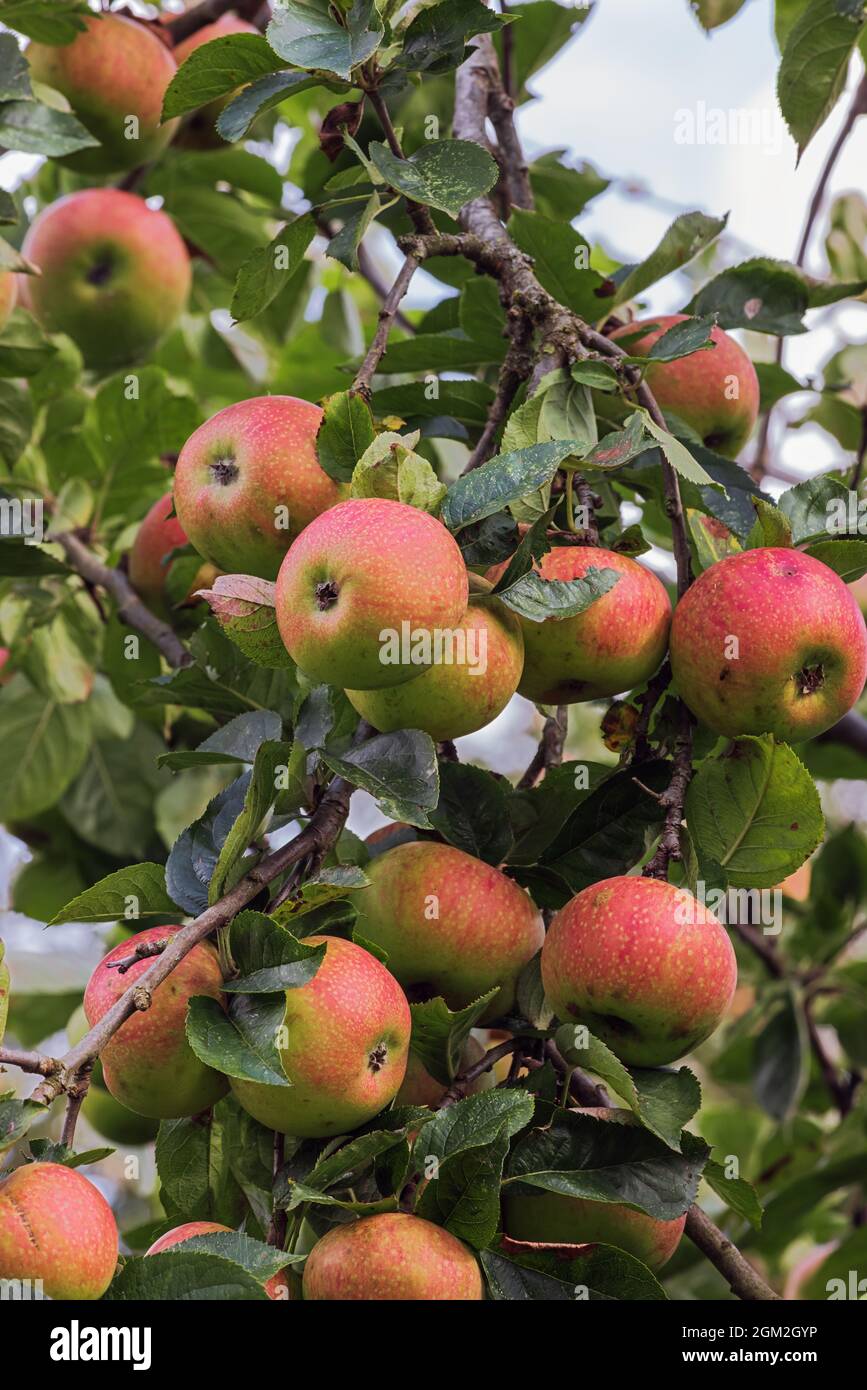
644,965
344,1047
769,642
57,1227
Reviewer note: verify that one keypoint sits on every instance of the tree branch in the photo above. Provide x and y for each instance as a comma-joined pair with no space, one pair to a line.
36,1062
387,314
550,750
516,368
744,1281
130,608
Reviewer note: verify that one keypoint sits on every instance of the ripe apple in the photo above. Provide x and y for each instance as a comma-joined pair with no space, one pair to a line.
344,1048
366,590
550,1218
393,1256
644,965
115,274
277,1287
148,1065
770,641
464,692
197,130
248,481
57,1227
615,644
159,534
102,1112
420,1088
8,296
114,76
715,391
451,924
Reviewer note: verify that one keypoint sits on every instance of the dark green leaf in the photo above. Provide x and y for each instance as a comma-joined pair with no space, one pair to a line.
214,68
399,770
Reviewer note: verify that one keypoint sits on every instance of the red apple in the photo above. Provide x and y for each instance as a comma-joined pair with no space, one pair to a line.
115,274
615,644
363,577
114,76
391,1257
769,642
451,924
159,534
344,1044
465,691
715,391
8,296
277,1287
644,965
248,481
57,1227
148,1065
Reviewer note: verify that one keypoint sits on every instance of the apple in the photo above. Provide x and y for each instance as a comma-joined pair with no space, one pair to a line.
802,1272
248,481
103,1113
366,591
644,965
148,1065
715,391
450,924
466,691
115,274
615,644
420,1088
159,534
550,1218
390,1257
114,76
197,130
8,296
57,1227
277,1287
770,641
344,1047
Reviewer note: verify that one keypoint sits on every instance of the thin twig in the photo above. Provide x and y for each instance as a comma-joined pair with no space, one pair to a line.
550,750
745,1282
369,367
36,1062
517,365
76,1094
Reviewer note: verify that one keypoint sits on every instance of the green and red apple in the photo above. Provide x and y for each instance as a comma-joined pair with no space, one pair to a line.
150,556
390,1257
55,1226
278,1287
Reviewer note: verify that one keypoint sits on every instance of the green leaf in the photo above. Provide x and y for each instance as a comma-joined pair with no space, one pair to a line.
237,116
330,886
306,34
442,174
439,1035
686,237
47,21
351,1159
619,446
815,61
755,812
677,454
268,957
399,771
846,558
14,71
259,803
609,1160
126,895
236,742
541,31
465,401
737,1193
390,468
24,348
561,261
214,68
504,479
43,746
712,14
184,1278
344,246
548,1276
36,129
16,1117
816,508
476,1121
781,1058
663,1100
268,270
682,339
473,812
560,189
436,39
767,296
345,433
110,805
244,607
258,1259
538,599
464,1196
228,1042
